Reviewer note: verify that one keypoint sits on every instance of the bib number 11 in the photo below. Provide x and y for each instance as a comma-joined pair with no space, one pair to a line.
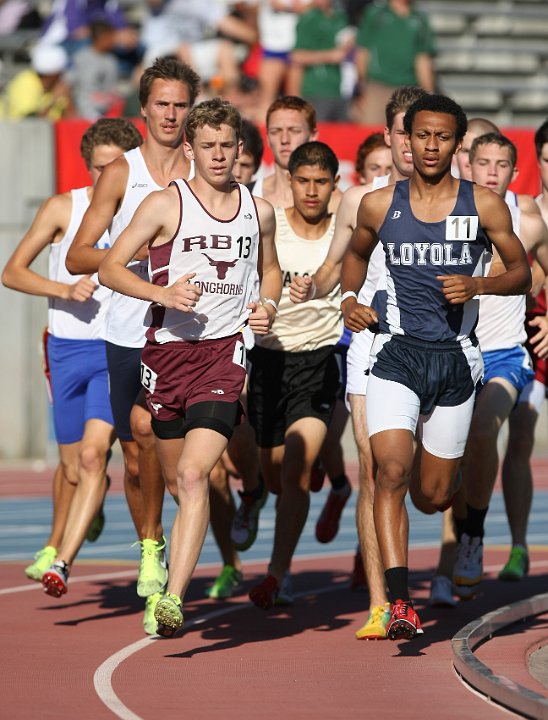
461,227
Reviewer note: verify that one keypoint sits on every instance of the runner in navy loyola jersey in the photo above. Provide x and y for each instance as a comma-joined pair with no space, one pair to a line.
208,240
436,233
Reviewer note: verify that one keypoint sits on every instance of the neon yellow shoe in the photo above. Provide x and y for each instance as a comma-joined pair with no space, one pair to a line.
517,566
150,624
42,560
375,627
169,615
225,584
153,568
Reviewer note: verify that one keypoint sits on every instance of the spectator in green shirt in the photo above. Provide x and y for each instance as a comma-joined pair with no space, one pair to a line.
395,47
323,41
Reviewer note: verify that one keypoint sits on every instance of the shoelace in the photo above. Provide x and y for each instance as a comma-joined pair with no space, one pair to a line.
376,614
468,552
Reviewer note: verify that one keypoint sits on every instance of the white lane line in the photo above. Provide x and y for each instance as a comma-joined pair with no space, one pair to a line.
79,579
202,566
102,679
311,556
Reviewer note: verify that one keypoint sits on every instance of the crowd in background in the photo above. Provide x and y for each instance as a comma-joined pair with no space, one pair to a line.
344,56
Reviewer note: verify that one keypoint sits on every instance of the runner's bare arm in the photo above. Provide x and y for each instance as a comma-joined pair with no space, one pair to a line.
537,239
263,313
496,220
49,226
328,274
356,259
153,222
83,256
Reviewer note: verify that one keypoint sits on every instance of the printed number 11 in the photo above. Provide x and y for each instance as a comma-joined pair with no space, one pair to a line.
466,222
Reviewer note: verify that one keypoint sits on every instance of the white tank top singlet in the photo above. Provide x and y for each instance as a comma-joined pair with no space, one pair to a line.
302,326
223,254
376,270
501,323
126,322
67,318
126,316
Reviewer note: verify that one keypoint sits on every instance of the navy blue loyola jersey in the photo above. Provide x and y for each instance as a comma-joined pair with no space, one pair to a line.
416,252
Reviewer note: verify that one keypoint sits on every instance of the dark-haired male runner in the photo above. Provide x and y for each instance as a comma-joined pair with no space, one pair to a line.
436,233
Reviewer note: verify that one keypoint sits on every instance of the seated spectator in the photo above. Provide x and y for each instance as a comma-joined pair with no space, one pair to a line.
69,24
95,73
18,15
373,159
40,90
203,35
323,41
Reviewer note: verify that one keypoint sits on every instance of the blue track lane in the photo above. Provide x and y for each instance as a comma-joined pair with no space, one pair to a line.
25,523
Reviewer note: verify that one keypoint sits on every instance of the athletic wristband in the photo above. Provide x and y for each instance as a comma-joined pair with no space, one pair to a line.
312,293
270,301
347,294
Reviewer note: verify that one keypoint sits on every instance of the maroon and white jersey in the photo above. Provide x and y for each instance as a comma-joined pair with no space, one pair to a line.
223,254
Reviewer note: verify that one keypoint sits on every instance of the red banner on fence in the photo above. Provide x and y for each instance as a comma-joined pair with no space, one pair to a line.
343,138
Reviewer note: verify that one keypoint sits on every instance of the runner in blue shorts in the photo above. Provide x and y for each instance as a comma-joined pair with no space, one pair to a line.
75,354
508,366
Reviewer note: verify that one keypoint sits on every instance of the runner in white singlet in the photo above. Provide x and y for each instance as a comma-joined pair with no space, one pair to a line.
77,359
167,91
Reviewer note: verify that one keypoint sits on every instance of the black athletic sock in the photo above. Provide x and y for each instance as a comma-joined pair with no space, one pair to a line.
259,490
460,526
339,482
397,580
475,521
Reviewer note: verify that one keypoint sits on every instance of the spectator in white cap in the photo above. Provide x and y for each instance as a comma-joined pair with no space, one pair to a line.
41,90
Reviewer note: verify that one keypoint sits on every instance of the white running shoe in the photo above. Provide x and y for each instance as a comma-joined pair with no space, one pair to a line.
468,569
441,592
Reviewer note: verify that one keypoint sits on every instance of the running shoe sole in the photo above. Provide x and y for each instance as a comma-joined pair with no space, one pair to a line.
169,618
403,630
54,584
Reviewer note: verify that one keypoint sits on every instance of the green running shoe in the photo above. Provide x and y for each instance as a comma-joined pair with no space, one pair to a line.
153,568
517,566
42,560
169,615
150,624
225,584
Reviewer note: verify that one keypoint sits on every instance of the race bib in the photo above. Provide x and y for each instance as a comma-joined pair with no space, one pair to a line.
239,354
148,378
461,227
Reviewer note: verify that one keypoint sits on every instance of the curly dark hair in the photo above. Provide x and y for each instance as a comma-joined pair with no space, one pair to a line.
437,104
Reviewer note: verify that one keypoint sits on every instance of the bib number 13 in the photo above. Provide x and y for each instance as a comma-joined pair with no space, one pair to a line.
148,378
